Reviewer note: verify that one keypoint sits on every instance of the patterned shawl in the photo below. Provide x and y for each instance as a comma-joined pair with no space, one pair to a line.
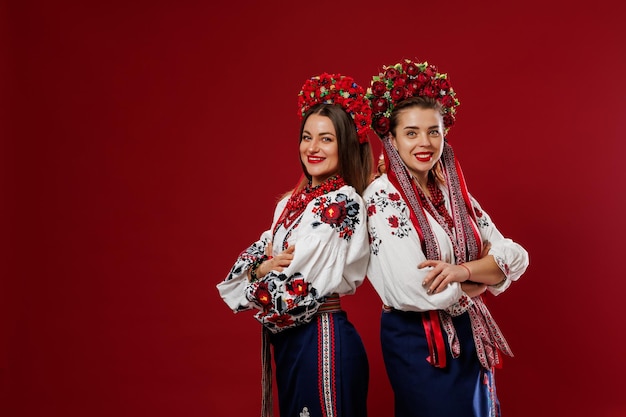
467,247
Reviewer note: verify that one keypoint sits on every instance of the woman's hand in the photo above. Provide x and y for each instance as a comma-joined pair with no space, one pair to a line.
442,274
276,263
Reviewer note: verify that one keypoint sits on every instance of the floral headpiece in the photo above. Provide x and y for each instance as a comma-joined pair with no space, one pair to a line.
340,90
408,79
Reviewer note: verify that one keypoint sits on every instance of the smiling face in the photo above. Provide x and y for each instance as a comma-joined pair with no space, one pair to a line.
418,137
319,151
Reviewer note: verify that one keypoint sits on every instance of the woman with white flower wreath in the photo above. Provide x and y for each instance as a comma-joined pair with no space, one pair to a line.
316,251
434,253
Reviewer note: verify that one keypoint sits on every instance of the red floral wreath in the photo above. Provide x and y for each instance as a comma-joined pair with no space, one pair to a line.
340,90
408,79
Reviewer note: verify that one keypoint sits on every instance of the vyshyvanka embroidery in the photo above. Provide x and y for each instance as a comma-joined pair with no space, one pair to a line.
300,199
285,301
381,200
340,213
326,353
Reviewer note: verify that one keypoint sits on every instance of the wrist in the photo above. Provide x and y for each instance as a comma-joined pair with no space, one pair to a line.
469,272
256,265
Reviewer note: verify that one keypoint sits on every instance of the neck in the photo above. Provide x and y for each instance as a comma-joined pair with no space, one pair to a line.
421,180
315,181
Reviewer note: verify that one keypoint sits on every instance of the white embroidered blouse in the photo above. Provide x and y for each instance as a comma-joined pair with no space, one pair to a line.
396,251
331,256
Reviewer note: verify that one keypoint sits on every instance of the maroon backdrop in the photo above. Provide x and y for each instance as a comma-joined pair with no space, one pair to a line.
147,141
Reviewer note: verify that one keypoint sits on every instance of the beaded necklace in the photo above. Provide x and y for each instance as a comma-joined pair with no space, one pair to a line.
299,200
436,197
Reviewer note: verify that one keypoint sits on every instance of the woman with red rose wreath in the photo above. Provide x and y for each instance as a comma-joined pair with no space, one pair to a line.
434,253
316,250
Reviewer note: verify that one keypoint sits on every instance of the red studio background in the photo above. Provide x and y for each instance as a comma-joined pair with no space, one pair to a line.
144,144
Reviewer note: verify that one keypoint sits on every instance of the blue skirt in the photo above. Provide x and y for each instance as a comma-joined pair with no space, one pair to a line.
321,368
462,389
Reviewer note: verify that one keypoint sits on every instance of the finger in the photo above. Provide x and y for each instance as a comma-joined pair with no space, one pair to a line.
428,263
428,279
432,274
442,286
286,258
434,285
268,249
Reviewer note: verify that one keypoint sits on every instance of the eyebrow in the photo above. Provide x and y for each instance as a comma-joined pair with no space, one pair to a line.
320,134
417,128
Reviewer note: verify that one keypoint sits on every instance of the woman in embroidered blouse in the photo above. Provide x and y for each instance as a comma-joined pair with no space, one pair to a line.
316,250
434,253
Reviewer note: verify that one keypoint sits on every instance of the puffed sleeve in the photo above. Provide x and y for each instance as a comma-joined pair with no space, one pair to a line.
331,245
233,288
511,257
396,251
330,256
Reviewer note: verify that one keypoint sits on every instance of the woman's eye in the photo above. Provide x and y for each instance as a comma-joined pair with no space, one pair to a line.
306,138
434,133
326,139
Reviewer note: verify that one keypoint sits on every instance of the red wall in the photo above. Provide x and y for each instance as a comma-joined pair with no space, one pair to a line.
148,140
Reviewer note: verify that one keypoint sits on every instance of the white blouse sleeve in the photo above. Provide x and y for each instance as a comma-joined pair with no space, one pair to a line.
509,255
396,251
233,288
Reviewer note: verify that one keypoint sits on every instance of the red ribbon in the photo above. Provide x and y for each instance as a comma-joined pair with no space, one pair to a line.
434,337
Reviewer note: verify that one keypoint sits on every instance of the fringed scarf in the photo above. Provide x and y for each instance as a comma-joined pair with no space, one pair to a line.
467,245
267,405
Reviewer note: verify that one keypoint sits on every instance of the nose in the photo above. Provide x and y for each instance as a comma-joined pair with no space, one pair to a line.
314,146
423,139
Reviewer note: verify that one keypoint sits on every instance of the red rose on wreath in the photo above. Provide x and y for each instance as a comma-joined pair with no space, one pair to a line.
391,73
447,101
399,82
448,120
442,83
413,87
411,69
378,88
430,91
397,93
381,125
379,105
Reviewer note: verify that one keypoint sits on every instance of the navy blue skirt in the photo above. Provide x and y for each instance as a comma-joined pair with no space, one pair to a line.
321,369
462,389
